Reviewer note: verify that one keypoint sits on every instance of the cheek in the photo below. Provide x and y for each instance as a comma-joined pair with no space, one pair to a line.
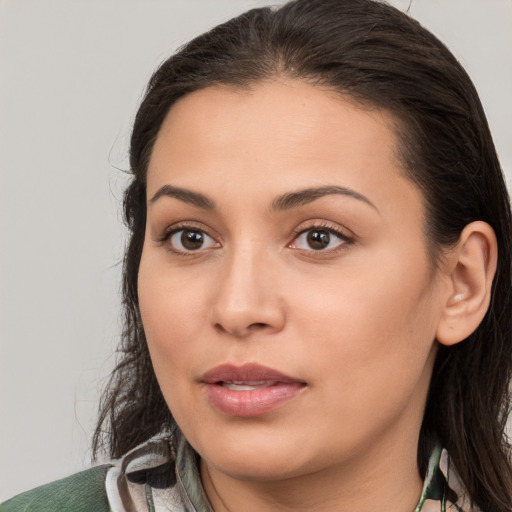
171,299
370,361
370,329
169,309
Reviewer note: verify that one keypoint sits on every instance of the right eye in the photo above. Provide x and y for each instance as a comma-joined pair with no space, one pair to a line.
190,240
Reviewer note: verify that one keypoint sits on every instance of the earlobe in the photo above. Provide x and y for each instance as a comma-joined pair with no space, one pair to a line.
471,267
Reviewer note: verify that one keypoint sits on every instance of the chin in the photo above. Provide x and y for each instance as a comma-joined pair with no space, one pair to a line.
261,456
255,467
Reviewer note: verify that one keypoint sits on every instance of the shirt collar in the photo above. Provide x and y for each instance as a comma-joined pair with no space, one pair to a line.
187,474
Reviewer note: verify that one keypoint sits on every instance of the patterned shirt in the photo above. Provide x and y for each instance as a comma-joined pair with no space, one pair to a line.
155,477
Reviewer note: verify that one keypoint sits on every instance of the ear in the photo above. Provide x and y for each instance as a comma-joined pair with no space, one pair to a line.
471,266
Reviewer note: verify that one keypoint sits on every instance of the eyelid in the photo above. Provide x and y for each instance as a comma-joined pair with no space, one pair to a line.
163,230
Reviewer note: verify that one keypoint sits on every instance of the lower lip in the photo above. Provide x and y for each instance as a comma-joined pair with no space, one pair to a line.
254,402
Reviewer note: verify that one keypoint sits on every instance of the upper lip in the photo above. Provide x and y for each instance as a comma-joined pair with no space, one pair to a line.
250,372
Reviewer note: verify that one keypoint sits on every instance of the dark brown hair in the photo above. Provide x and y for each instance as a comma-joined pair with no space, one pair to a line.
382,58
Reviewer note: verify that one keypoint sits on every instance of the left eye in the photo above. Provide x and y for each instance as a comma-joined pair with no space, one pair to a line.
186,240
317,239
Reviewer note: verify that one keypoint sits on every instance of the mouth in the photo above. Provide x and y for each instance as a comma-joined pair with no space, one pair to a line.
247,386
249,390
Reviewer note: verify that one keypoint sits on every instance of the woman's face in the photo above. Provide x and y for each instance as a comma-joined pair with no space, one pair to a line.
285,286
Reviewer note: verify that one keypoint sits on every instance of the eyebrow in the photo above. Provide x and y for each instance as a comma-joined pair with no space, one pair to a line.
182,194
308,195
284,202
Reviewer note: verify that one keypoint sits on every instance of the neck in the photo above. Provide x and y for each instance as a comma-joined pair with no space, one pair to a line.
385,477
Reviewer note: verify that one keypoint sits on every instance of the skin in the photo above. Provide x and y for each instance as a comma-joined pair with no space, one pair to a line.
355,322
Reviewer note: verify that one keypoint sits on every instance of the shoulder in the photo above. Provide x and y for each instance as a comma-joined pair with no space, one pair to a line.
81,492
145,478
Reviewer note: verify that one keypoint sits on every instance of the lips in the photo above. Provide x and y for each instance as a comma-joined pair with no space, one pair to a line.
249,390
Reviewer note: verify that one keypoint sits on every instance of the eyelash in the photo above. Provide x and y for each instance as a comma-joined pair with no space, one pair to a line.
296,233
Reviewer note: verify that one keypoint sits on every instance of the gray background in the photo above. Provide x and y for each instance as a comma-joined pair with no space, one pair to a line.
71,75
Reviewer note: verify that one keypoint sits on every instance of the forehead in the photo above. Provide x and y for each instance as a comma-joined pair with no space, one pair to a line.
283,134
292,111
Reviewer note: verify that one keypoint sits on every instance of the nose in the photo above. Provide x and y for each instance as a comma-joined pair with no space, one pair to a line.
247,300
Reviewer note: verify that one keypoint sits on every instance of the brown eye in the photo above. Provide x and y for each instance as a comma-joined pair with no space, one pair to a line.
192,240
318,239
189,240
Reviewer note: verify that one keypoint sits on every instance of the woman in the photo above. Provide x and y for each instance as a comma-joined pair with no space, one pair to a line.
317,285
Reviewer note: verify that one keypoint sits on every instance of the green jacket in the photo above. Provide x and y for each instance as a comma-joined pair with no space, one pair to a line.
81,492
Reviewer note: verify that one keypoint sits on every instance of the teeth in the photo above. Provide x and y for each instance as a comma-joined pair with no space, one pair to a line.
247,386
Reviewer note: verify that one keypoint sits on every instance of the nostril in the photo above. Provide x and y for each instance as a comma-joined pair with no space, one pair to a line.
219,328
240,332
258,325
